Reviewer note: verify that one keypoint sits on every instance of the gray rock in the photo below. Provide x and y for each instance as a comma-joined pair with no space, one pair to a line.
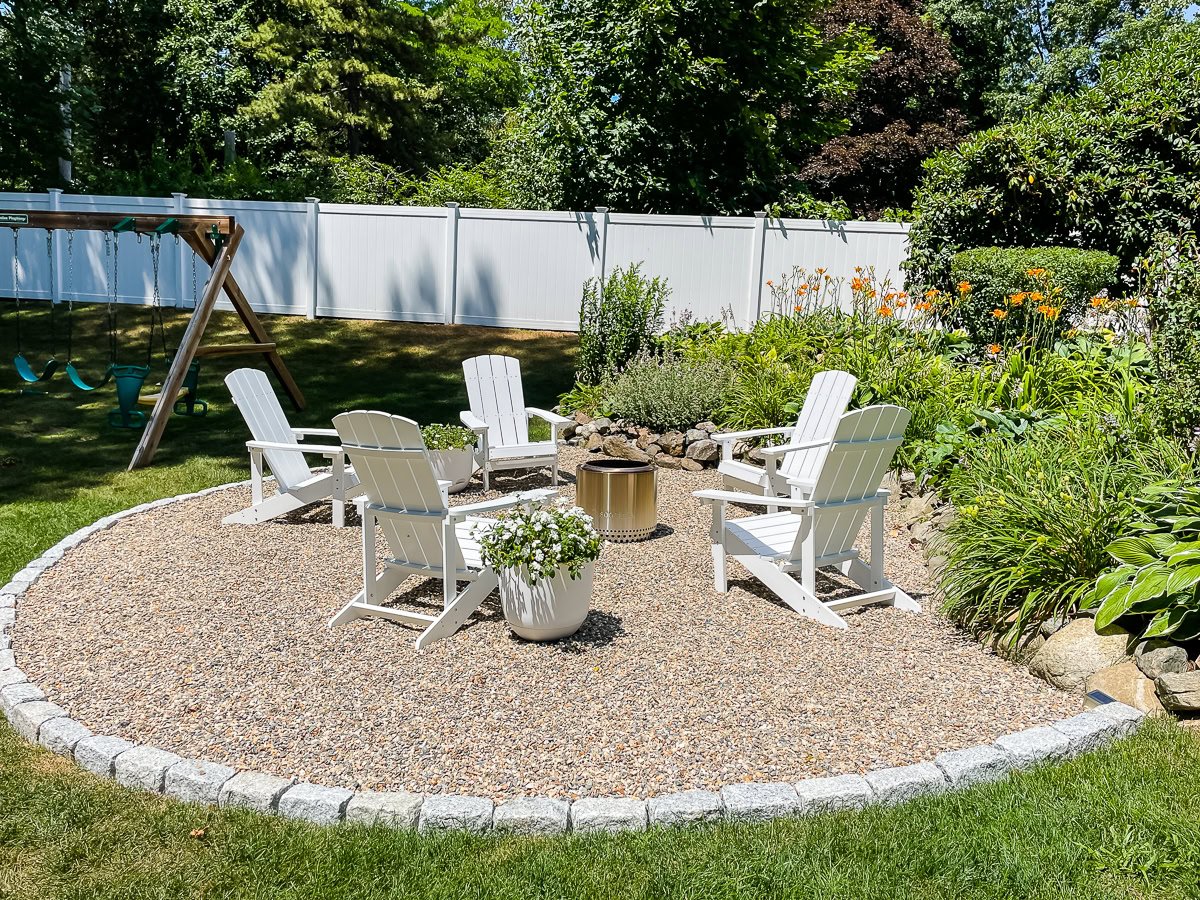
594,442
7,617
685,808
673,442
440,813
817,795
8,659
1077,651
705,450
1089,731
646,437
919,508
27,718
253,790
973,765
756,455
98,754
1158,657
582,418
144,767
691,465
1179,691
667,462
608,814
394,810
1129,717
922,531
21,692
536,816
1053,624
61,735
619,447
197,781
759,802
14,588
1125,683
8,601
314,803
896,785
740,449
653,450
602,424
1033,746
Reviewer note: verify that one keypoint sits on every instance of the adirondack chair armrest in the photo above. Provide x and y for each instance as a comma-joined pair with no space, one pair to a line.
322,449
302,433
722,437
473,422
784,449
749,499
554,419
462,512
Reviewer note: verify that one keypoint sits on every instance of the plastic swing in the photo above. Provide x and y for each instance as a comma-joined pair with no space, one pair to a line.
20,363
129,379
72,371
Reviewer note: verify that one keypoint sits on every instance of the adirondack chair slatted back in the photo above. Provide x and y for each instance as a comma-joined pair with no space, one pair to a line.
862,449
827,398
256,401
389,456
496,396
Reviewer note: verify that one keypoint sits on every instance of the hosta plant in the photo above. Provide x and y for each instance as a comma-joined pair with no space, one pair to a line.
543,538
1157,584
447,437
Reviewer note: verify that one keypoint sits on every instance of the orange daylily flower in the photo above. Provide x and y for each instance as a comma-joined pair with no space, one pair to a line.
1000,314
964,287
1097,302
923,306
885,311
1050,312
1035,273
994,349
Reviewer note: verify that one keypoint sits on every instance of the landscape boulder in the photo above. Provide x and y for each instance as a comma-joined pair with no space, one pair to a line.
1158,657
1125,682
704,450
620,447
1180,691
1077,651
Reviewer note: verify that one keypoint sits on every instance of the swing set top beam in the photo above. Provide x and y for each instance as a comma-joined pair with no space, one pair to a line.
143,224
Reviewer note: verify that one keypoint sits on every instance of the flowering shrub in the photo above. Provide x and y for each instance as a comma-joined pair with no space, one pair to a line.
543,538
671,392
447,437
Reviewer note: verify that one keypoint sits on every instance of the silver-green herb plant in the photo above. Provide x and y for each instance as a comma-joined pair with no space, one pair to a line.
542,538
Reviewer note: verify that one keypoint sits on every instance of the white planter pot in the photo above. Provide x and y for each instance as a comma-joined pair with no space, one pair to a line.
455,466
551,609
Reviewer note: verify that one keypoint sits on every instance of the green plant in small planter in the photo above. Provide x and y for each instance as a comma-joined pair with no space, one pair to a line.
452,452
447,437
545,557
1157,583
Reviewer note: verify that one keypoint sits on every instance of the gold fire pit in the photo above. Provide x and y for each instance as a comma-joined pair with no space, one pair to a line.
620,495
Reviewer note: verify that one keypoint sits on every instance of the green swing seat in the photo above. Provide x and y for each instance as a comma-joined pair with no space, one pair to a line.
77,379
129,381
27,373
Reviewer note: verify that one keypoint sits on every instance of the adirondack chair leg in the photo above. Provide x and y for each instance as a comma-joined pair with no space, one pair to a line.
384,586
264,510
339,492
808,557
876,545
795,595
256,475
459,610
717,536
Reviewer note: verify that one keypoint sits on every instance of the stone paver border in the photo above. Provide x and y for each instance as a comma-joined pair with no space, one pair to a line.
203,781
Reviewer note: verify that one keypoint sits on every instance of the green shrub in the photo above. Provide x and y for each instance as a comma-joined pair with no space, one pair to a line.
671,392
1035,518
1105,169
1156,587
996,273
618,318
1170,276
447,437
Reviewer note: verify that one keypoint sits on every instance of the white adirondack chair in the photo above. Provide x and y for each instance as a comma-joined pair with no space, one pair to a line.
424,535
500,418
820,529
792,467
276,441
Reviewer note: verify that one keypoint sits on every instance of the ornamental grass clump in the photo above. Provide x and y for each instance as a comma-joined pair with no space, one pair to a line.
542,539
447,437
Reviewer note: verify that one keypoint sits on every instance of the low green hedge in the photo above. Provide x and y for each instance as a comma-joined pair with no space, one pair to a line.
998,272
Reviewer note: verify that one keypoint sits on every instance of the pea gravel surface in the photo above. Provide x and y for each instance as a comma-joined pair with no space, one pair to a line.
210,641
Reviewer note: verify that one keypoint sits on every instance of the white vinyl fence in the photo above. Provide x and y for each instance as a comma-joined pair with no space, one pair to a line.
508,268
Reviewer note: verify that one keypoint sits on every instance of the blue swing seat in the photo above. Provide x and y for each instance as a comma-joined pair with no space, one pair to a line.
28,374
77,379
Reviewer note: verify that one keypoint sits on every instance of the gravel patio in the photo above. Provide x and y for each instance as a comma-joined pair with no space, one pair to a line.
210,641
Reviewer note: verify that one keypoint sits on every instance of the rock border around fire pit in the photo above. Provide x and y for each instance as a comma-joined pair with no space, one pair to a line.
211,783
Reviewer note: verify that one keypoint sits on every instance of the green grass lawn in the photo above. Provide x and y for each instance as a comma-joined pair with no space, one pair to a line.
1123,822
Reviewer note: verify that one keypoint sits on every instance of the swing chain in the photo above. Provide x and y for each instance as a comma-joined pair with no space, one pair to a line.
17,283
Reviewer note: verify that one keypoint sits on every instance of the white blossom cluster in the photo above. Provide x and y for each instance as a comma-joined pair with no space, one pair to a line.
540,537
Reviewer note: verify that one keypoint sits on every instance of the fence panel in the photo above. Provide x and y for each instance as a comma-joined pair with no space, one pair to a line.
443,264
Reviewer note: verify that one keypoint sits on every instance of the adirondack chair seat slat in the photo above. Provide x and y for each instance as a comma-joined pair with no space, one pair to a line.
525,451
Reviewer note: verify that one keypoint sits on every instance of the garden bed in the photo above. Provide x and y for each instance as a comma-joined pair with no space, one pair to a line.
210,641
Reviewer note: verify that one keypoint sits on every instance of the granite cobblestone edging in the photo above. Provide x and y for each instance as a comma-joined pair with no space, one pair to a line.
202,781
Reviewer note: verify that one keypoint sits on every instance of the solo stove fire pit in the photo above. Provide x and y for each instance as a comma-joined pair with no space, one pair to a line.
620,495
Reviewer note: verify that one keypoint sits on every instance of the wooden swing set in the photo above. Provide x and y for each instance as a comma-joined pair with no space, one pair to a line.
215,240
